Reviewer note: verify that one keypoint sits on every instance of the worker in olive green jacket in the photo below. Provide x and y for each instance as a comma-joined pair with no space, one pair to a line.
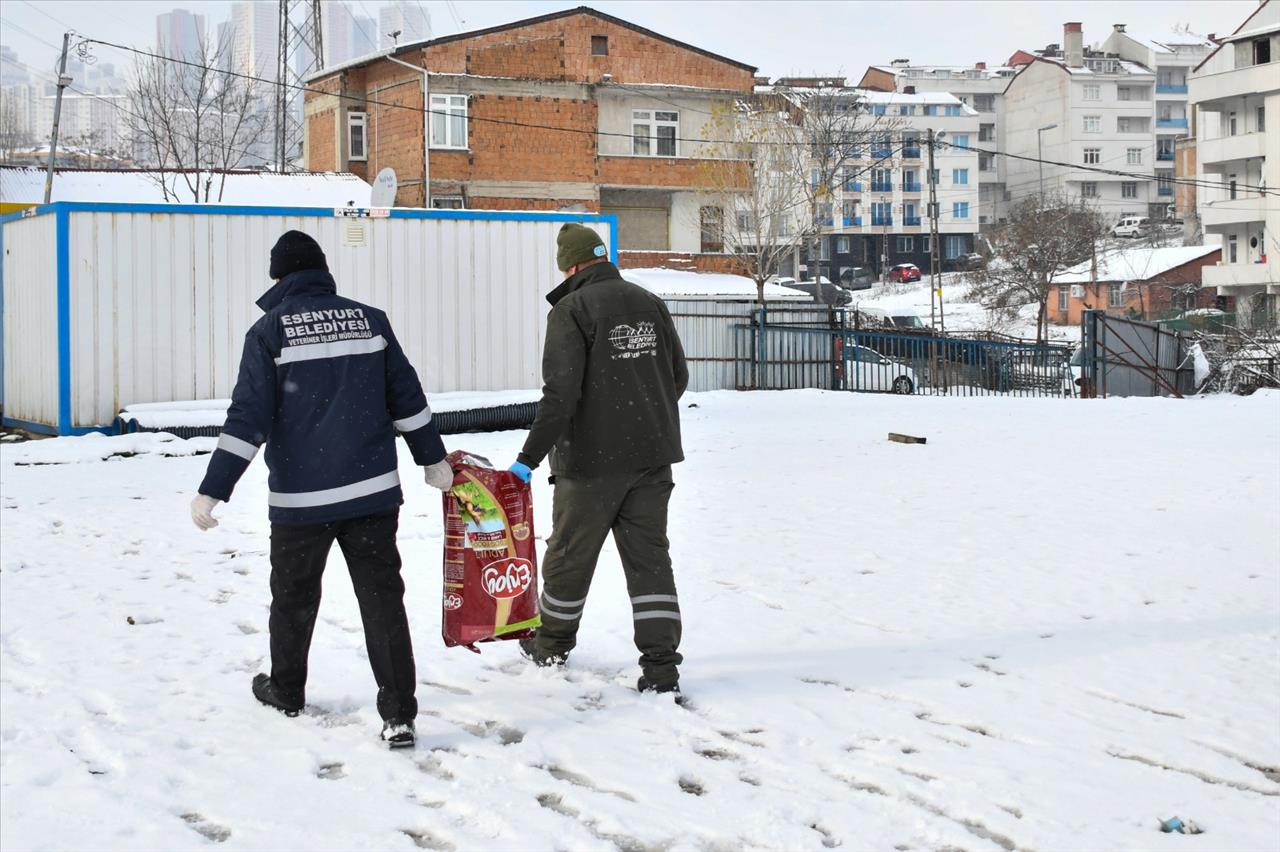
614,371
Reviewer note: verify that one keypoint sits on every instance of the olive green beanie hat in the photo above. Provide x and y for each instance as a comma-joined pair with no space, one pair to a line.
577,244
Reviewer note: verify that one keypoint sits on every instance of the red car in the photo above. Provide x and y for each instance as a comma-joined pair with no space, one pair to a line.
905,272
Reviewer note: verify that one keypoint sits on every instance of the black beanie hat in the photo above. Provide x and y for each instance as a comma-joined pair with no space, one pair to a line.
294,252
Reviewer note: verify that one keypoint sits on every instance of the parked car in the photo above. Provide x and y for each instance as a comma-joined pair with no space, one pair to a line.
857,278
907,321
870,319
867,369
824,292
905,272
1131,226
968,262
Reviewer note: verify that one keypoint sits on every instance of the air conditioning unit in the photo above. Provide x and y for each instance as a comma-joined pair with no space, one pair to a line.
1077,291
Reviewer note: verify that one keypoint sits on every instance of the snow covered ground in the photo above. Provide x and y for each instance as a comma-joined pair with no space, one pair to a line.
961,315
1049,627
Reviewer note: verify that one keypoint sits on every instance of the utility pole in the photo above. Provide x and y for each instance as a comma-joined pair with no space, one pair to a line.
935,271
63,82
299,52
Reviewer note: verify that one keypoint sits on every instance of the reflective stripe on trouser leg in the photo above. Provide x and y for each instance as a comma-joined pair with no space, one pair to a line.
640,532
583,511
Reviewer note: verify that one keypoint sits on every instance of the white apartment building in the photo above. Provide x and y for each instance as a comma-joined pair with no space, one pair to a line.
1089,112
979,87
1236,93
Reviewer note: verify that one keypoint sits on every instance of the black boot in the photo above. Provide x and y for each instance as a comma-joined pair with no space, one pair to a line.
266,691
399,733
645,685
541,659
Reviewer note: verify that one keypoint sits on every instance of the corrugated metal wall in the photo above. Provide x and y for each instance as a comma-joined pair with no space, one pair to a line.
706,329
31,320
161,301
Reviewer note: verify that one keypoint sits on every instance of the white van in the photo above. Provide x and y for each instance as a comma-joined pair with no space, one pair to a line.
1130,226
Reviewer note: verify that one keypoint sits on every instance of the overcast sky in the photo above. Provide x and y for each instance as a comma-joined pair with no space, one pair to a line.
779,37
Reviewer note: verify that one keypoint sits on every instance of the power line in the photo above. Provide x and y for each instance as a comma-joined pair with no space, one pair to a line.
445,113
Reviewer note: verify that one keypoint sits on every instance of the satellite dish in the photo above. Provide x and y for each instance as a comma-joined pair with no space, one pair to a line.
384,189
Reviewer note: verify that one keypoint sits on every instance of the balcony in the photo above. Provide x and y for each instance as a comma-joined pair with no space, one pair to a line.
910,153
1165,190
824,221
1227,213
1210,90
1171,89
877,186
911,220
881,221
853,221
881,153
1229,275
911,187
1165,156
853,186
1171,124
1226,149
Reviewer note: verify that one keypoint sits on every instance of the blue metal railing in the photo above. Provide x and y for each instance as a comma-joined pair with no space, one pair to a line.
853,186
911,153
881,153
911,220
881,220
837,355
911,187
1164,155
1164,190
1180,123
855,221
1171,90
877,186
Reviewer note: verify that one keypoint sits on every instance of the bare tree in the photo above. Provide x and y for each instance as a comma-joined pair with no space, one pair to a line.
13,134
194,123
745,175
1044,238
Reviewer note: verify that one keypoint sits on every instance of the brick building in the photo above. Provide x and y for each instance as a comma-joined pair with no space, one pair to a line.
577,110
1147,283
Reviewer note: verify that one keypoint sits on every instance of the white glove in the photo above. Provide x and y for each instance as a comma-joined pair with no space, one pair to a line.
439,475
202,511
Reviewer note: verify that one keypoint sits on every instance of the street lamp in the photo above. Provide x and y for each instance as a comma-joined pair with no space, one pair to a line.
1040,156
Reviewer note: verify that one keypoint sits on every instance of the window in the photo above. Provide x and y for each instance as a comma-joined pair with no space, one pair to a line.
960,176
1092,156
953,109
1116,297
653,133
448,121
1093,124
850,181
745,221
910,180
849,210
935,176
906,245
824,250
1231,124
930,109
599,45
1063,295
986,162
1092,92
1262,118
1261,51
984,103
877,109
1089,189
357,141
881,213
842,245
960,210
909,216
907,109
712,221
986,132
953,245
1124,94
1131,125
1133,156
1231,187
1129,189
960,140
447,202
1233,255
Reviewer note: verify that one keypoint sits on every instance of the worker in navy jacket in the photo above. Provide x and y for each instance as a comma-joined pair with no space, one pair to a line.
324,386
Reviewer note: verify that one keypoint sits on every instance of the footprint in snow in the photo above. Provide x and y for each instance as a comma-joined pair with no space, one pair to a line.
444,687
212,831
692,786
246,628
426,840
331,771
717,754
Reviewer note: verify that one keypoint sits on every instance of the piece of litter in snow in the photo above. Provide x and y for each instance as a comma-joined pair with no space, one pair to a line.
1177,825
905,439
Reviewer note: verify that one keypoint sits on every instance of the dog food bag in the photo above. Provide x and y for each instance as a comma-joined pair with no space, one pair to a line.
490,563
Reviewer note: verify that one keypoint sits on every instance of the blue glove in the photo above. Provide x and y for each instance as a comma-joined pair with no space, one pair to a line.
522,470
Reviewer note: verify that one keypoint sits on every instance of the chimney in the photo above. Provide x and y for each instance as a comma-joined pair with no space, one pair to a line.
981,66
1073,44
1118,27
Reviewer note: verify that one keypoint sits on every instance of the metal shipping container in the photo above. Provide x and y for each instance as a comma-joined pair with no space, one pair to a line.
107,305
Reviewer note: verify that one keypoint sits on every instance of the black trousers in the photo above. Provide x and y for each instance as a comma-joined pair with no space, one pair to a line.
298,556
632,506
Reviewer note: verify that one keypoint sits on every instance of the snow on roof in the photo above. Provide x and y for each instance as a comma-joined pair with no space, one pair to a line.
1166,42
682,284
989,71
1134,264
25,184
